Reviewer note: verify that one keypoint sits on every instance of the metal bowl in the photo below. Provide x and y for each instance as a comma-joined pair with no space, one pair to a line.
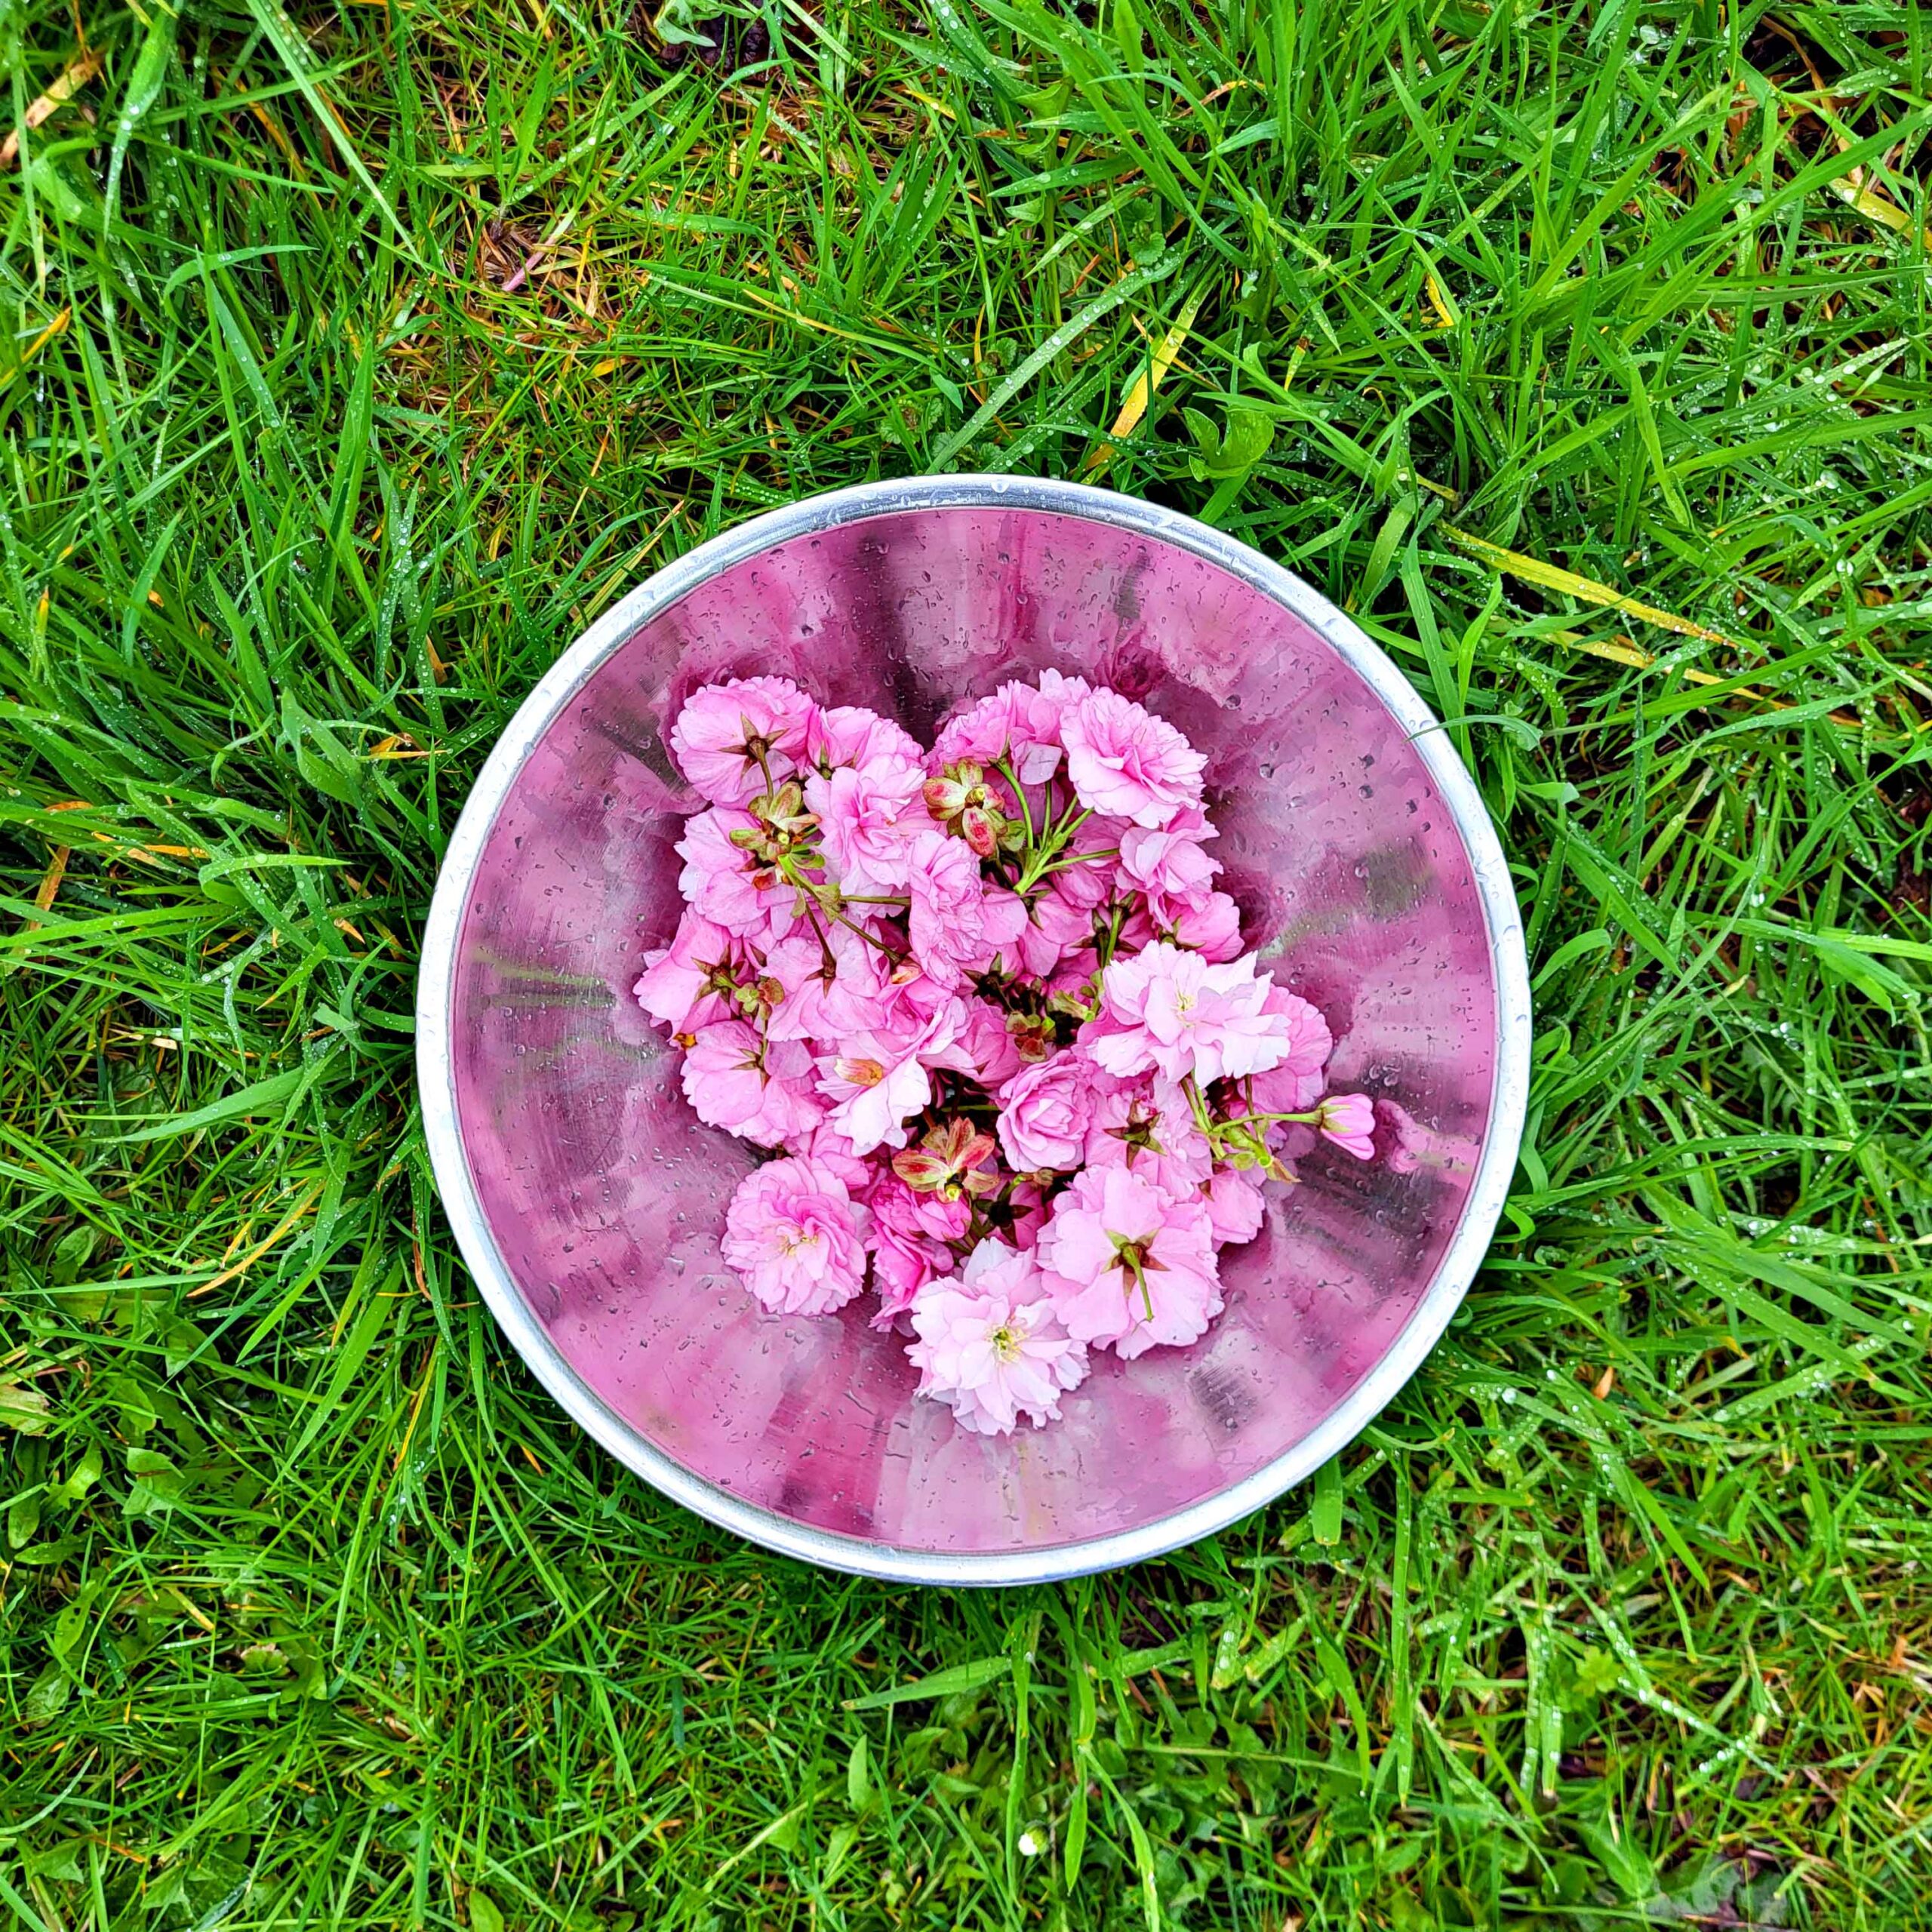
588,1200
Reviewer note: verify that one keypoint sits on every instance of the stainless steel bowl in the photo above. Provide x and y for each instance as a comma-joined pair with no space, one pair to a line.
587,1200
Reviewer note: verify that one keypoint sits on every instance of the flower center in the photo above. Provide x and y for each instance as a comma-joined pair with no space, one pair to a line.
859,1072
1005,1341
796,1240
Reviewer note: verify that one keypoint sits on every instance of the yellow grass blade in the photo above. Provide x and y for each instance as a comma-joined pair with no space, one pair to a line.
1140,393
1553,576
78,75
1854,194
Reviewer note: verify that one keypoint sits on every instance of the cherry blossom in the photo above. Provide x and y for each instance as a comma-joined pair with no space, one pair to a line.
1043,1110
1127,1265
734,740
1185,1016
796,1238
991,1346
1022,1078
1348,1121
1124,760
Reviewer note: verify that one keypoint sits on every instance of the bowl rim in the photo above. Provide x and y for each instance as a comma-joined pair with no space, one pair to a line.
856,1556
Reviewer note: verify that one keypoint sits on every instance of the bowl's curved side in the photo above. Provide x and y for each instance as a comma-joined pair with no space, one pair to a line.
576,769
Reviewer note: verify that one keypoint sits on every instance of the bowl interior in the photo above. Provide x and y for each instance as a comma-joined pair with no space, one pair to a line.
603,1198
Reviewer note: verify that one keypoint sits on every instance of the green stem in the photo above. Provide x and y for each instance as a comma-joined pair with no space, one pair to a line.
830,964
1078,858
852,925
1019,792
1107,951
827,897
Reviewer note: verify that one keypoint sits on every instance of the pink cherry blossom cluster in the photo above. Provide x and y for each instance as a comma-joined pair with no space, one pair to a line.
987,1006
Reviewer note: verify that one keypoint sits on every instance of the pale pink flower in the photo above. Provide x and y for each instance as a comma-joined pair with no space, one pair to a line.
903,1262
1294,1084
916,999
1126,1263
1210,927
838,1045
1055,926
721,732
1043,1110
729,886
1180,1014
1124,761
919,1211
1169,867
947,919
1017,723
1031,955
832,981
1147,1125
824,1144
796,1238
849,735
991,1346
1003,922
723,1074
877,1078
1235,1206
734,1080
875,1082
1060,692
681,985
792,1111
988,1043
867,816
933,1018
1349,1120
1136,931
941,1041
1006,931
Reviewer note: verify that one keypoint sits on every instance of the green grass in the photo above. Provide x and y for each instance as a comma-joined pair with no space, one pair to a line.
355,360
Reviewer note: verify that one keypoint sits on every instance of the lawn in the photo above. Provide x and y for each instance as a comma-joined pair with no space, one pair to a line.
356,359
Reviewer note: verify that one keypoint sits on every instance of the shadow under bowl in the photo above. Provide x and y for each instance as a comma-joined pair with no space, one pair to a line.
589,1201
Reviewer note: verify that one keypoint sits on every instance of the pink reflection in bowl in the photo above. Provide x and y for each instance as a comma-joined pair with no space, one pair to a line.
589,1202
